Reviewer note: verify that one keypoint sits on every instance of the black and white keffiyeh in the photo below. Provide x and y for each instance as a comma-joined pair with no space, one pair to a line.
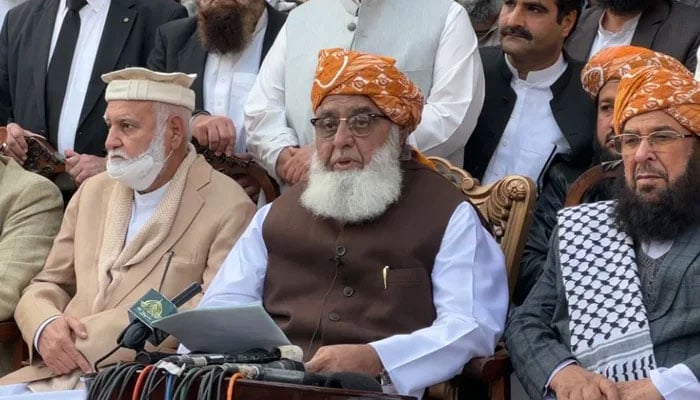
607,318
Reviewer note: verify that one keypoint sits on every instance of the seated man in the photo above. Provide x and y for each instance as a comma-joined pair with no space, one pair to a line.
30,215
615,314
160,218
377,263
600,78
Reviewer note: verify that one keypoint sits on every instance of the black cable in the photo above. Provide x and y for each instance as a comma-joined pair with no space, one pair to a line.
106,356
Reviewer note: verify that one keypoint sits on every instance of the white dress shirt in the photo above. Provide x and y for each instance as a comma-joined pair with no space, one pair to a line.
449,116
92,22
532,136
606,38
470,294
228,79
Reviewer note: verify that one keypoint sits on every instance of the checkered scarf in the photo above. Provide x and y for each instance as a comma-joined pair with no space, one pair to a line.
607,318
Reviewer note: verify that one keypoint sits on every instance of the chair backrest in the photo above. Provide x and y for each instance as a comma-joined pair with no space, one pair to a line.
590,179
506,205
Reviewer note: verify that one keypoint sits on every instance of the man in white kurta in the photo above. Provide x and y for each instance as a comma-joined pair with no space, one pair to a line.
433,42
378,265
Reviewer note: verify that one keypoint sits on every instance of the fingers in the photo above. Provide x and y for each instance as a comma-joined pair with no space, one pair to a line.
77,327
608,389
16,143
231,132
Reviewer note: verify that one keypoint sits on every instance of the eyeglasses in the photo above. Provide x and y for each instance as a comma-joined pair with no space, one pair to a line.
360,125
628,143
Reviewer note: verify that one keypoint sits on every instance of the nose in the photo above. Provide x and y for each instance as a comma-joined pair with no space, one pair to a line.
112,141
514,16
343,136
644,152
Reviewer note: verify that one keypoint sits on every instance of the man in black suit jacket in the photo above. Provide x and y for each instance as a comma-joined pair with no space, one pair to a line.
224,44
535,107
666,26
25,43
186,45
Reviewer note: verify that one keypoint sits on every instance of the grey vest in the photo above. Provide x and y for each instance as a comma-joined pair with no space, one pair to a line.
407,30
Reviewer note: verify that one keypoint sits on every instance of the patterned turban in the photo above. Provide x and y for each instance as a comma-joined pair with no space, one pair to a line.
658,89
350,72
612,63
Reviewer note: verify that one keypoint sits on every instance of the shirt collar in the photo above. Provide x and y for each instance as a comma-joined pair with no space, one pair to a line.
150,199
544,77
262,22
627,27
94,5
351,6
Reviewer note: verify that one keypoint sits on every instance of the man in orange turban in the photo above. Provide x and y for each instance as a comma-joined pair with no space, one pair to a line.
373,234
616,307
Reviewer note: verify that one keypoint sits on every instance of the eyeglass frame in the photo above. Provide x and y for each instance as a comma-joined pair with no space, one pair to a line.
373,117
617,145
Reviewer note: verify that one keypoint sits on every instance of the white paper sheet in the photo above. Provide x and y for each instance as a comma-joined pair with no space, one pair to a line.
224,329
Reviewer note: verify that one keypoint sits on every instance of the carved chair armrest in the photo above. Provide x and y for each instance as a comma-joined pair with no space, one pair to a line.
488,369
9,331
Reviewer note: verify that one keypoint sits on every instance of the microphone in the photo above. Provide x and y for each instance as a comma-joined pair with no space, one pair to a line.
353,381
284,371
151,307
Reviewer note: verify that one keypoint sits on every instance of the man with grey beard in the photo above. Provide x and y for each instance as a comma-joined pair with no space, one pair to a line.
615,314
374,234
159,217
484,17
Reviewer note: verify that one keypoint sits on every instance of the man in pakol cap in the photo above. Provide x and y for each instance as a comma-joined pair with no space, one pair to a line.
600,77
616,314
160,218
377,264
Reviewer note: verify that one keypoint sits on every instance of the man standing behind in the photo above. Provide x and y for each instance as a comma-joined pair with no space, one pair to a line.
616,314
535,109
335,260
432,41
160,217
666,26
52,54
224,44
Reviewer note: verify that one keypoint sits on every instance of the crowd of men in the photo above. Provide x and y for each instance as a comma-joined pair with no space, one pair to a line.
369,260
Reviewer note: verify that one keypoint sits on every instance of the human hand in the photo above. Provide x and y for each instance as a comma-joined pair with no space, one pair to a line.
357,358
16,144
82,166
295,166
575,383
57,346
643,389
215,132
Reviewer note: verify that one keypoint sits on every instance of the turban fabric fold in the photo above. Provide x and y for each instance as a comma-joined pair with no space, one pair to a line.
348,72
612,63
657,89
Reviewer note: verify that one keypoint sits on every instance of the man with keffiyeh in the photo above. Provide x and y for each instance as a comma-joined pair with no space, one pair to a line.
616,314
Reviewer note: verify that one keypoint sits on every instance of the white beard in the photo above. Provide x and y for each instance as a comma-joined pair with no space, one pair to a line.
139,172
356,195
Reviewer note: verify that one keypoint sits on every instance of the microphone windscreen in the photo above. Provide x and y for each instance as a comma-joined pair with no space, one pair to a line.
291,352
350,380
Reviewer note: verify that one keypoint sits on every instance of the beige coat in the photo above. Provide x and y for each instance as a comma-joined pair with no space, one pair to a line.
212,214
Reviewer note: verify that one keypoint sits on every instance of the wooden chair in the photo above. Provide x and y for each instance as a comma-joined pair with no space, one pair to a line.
507,207
10,334
590,179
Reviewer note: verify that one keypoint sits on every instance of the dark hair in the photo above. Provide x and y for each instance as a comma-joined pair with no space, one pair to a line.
564,7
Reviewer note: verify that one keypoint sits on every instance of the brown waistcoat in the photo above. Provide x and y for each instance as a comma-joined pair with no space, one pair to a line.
325,284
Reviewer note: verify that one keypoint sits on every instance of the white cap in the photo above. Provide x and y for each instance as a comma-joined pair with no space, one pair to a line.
138,83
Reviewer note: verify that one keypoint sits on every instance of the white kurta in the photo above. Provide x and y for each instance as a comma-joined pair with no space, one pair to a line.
449,116
470,294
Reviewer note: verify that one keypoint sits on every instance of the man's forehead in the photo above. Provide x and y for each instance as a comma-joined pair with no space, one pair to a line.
134,108
652,121
346,103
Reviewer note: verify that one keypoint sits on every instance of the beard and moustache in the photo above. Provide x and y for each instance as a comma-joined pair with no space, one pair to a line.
139,172
357,195
676,208
227,26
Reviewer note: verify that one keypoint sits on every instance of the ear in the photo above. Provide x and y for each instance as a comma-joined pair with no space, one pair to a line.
176,126
568,23
403,135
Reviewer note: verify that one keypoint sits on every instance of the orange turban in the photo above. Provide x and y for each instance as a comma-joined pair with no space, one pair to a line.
612,63
348,72
658,89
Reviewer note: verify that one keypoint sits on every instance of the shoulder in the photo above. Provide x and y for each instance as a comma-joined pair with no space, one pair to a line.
27,185
491,58
18,14
179,29
161,8
590,16
683,15
590,211
217,189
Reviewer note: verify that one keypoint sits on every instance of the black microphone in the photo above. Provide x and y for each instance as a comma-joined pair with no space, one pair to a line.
353,381
284,371
149,308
